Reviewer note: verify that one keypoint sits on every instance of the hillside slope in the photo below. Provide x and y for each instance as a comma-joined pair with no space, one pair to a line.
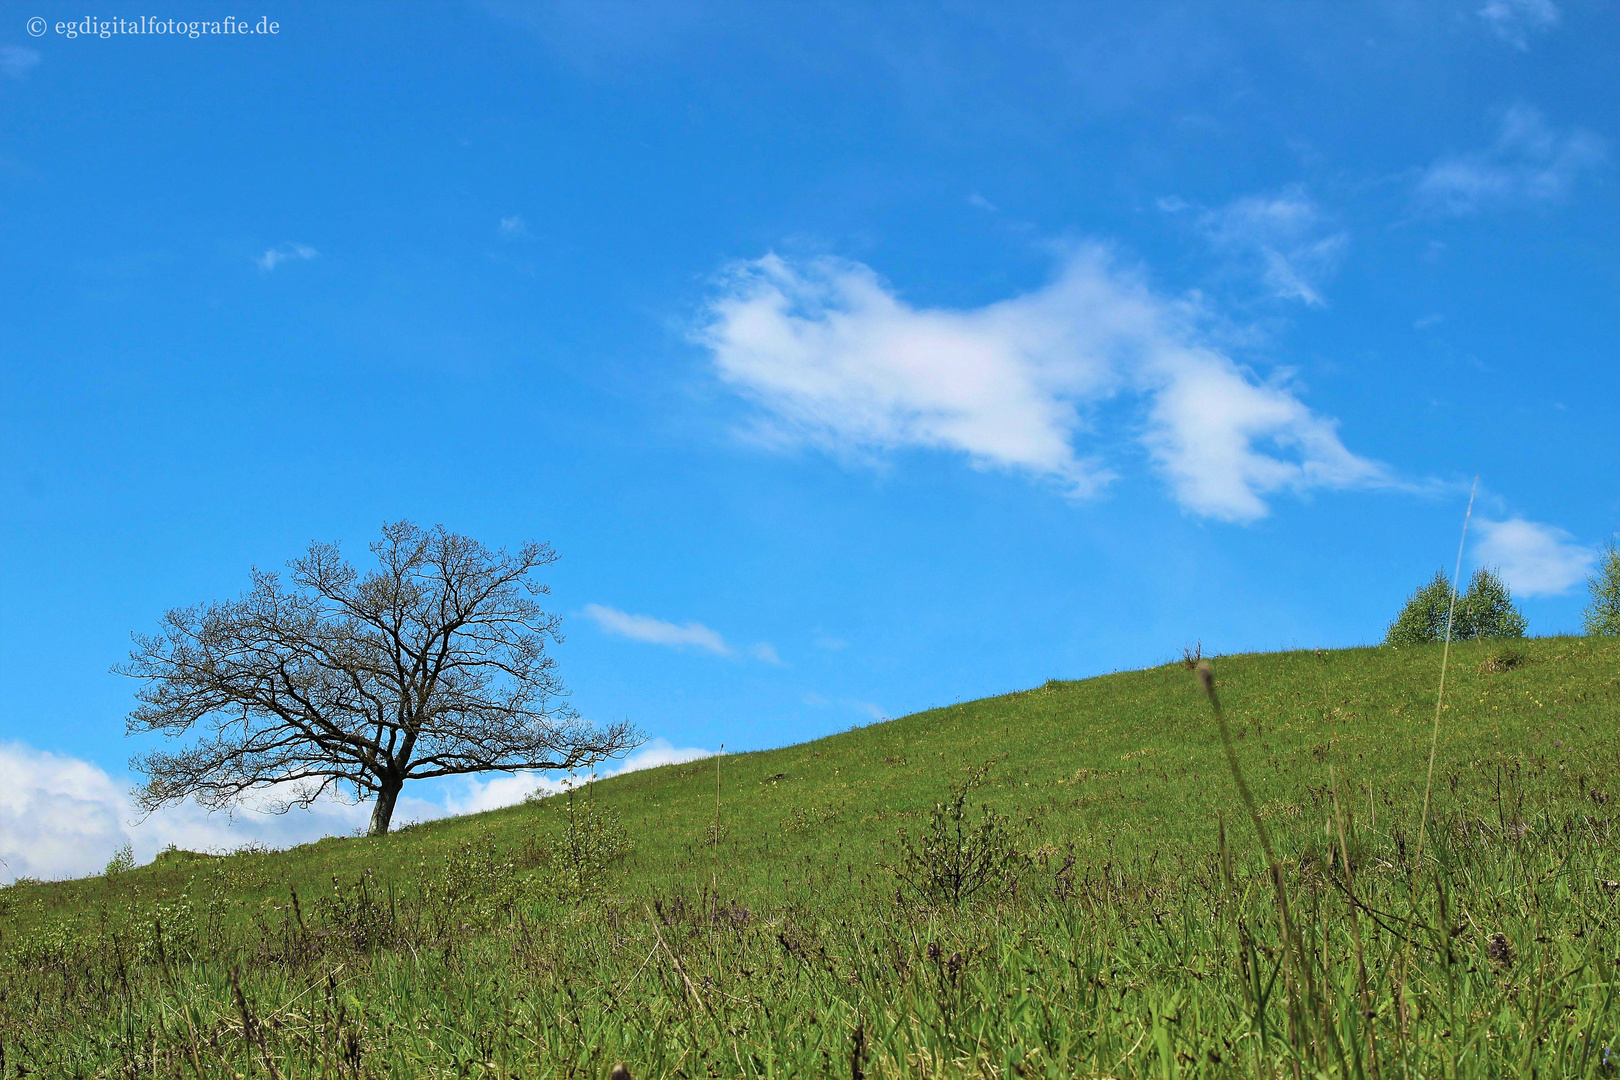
1128,762
1129,942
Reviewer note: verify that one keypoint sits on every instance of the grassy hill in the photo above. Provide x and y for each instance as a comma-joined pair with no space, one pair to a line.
514,943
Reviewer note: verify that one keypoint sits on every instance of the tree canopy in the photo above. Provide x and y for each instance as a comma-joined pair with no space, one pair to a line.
1486,610
1602,615
431,664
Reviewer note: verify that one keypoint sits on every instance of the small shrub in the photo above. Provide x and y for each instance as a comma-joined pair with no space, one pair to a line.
476,883
802,819
1504,659
359,916
1602,615
171,933
122,861
57,947
576,862
957,858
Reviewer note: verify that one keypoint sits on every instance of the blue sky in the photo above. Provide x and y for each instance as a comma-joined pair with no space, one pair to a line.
855,358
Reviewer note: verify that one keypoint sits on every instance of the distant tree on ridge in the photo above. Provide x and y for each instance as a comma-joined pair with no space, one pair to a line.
1602,615
1486,610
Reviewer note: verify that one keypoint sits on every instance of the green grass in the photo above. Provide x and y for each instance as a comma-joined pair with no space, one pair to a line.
451,949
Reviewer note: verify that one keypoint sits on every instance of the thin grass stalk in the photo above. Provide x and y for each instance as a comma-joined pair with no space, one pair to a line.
1434,744
1294,948
714,880
1367,1013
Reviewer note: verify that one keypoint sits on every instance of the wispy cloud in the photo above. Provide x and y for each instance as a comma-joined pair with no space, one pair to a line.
1530,162
512,228
836,359
1534,559
657,631
1515,20
1284,239
284,253
675,635
16,62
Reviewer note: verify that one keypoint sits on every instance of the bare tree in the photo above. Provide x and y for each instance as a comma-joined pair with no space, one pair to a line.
433,664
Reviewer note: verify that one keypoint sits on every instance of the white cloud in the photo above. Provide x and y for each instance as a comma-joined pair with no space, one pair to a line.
1515,20
16,62
1284,239
54,813
1529,162
676,635
513,228
64,817
1209,422
1534,559
837,360
657,631
477,796
284,253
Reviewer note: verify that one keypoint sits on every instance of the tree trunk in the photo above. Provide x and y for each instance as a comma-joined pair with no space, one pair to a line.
383,812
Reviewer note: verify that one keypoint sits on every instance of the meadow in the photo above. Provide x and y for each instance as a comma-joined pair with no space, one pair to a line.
1101,905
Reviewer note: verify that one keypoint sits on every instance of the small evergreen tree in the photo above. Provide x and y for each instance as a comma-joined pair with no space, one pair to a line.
1487,610
1602,615
1423,619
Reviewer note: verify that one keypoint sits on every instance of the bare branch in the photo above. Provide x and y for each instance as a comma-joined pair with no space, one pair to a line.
433,664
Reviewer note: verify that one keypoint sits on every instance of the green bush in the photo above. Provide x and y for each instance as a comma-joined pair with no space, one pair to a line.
1602,615
1486,610
956,858
122,861
1423,619
170,933
576,862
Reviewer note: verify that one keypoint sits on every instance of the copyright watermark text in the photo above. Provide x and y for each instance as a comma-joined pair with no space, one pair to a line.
89,26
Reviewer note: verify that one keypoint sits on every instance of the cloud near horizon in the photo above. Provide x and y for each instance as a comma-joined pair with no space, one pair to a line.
61,816
835,359
1534,559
